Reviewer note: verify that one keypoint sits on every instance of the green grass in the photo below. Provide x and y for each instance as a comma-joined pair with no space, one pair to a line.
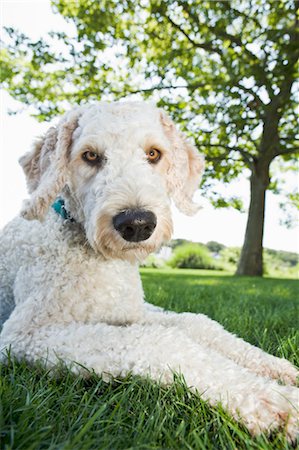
39,411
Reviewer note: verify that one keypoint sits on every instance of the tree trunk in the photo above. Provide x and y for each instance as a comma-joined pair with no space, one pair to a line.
251,260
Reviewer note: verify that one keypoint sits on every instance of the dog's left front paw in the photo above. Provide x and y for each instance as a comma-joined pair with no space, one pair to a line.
285,371
278,369
274,409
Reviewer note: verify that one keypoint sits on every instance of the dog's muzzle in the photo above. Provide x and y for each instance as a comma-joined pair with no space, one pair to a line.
135,225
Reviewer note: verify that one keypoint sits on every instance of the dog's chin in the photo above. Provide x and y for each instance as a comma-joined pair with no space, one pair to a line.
131,252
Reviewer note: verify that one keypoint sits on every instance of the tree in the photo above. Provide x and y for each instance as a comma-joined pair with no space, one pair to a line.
226,70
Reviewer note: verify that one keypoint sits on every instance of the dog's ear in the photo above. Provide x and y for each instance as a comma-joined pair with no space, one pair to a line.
36,162
45,166
185,170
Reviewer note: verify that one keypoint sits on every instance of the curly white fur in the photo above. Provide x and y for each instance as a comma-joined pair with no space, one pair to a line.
71,291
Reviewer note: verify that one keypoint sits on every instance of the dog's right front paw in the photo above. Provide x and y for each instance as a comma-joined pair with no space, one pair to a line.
270,366
289,375
275,410
283,370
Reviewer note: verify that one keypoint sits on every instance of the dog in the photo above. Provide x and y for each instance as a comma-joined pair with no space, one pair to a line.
101,185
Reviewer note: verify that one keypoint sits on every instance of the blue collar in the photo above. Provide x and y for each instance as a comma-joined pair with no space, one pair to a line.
59,208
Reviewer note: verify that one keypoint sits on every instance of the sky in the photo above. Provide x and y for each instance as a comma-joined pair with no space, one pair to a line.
35,18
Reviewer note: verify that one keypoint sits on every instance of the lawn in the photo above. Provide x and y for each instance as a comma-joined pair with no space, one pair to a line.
68,412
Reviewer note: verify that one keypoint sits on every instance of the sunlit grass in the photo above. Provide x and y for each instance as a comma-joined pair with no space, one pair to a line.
39,411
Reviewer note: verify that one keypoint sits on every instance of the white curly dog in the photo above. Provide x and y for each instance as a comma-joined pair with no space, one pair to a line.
70,286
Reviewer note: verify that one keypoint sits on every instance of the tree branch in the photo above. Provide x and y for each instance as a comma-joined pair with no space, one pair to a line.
227,6
191,87
254,94
205,46
247,157
288,151
279,101
220,33
220,158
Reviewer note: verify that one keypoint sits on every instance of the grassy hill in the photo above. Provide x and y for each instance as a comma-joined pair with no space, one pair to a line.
214,255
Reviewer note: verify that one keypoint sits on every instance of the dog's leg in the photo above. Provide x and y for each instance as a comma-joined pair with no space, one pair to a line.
209,332
156,351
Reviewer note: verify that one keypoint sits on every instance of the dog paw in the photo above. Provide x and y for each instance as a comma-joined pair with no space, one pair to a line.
277,369
273,410
285,371
290,374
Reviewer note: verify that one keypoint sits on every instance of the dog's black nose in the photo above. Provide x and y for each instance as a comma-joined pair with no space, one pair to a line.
135,225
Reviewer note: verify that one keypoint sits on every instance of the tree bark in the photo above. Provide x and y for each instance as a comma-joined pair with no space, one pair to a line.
251,260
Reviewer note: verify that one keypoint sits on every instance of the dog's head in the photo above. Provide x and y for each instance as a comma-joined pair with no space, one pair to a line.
117,166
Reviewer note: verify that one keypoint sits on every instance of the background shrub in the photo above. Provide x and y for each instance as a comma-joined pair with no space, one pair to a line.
229,257
153,262
192,256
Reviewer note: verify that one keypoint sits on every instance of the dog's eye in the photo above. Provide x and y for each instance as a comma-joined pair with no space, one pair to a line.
92,158
153,155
